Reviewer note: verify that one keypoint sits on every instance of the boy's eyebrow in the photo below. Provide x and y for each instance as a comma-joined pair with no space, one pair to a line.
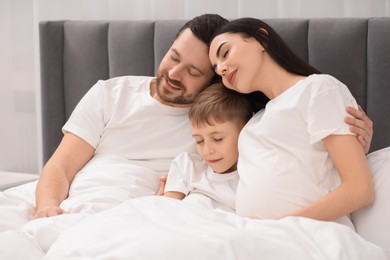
212,133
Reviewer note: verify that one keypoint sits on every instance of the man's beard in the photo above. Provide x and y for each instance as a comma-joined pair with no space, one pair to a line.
167,96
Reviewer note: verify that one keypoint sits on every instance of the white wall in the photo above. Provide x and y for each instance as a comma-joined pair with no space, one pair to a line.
20,139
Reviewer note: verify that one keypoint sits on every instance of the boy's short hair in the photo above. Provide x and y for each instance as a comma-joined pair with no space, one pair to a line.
218,104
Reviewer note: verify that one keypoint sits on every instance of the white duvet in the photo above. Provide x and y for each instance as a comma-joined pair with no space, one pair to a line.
108,222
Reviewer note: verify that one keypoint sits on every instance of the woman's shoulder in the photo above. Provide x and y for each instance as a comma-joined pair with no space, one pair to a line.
324,78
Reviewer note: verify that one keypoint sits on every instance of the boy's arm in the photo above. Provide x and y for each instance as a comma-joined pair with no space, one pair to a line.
174,194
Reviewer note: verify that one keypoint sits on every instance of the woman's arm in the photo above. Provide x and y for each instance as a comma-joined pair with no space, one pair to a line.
356,188
58,173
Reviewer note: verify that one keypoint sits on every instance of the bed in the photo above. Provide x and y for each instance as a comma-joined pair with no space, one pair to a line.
75,54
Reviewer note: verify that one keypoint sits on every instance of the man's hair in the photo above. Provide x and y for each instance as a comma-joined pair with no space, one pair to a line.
203,26
218,104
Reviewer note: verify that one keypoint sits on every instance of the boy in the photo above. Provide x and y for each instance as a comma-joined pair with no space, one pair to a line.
217,116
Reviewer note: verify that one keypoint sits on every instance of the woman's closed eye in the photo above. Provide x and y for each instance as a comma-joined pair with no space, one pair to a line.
225,54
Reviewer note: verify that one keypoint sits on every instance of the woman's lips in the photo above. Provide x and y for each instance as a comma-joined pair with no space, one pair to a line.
231,77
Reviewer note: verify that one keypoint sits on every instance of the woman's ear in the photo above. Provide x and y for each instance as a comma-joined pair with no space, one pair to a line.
263,31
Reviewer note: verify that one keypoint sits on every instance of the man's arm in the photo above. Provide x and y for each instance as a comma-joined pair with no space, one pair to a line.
361,125
72,154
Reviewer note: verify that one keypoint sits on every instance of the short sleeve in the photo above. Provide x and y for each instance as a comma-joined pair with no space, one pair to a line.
326,112
87,119
178,176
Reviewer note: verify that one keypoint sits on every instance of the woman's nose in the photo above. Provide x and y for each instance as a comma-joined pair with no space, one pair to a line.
221,69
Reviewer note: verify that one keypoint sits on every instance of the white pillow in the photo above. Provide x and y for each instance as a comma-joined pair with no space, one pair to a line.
373,222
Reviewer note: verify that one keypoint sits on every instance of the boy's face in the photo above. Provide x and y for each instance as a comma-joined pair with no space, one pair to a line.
184,71
217,145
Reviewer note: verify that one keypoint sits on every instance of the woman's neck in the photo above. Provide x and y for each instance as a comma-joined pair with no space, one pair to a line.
276,80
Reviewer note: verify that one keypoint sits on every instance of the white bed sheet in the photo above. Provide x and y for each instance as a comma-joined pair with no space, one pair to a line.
164,228
108,222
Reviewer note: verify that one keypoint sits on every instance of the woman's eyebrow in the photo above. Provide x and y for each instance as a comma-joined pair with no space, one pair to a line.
219,48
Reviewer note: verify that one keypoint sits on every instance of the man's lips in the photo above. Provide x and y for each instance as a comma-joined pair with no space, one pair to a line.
231,77
171,87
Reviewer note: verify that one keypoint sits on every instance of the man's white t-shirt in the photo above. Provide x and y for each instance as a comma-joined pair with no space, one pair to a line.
283,163
189,174
120,117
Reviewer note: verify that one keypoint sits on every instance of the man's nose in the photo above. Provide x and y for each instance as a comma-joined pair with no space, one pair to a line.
176,72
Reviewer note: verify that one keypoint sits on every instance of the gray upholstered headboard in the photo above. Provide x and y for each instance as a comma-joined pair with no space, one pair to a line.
75,54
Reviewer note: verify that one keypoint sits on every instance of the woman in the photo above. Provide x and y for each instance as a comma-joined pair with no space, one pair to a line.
297,156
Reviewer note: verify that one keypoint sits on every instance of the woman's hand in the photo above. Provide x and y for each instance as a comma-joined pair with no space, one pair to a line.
361,125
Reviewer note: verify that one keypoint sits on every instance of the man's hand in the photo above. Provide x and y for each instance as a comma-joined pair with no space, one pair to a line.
49,211
163,180
361,125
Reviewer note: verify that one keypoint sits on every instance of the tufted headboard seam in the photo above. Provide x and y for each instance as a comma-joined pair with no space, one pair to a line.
75,54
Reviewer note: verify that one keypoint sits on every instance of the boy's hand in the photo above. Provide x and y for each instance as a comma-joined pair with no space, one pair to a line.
163,180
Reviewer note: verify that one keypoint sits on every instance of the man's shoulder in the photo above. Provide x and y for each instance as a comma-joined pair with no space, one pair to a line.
127,81
119,86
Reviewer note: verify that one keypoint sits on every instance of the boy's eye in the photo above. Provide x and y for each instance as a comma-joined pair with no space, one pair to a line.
199,141
218,139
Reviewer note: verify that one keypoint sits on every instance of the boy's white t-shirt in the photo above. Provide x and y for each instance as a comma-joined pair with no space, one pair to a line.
189,174
283,163
120,117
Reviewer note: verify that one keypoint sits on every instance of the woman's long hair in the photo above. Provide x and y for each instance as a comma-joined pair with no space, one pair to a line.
272,43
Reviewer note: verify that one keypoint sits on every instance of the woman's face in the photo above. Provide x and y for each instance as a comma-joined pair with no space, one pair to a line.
238,60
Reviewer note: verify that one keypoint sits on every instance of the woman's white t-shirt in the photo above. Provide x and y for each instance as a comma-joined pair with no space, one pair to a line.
283,163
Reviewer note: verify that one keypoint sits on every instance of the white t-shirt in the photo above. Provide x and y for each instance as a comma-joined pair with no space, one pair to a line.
119,117
190,174
283,163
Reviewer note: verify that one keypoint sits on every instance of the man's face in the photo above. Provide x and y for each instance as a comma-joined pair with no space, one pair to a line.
184,71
